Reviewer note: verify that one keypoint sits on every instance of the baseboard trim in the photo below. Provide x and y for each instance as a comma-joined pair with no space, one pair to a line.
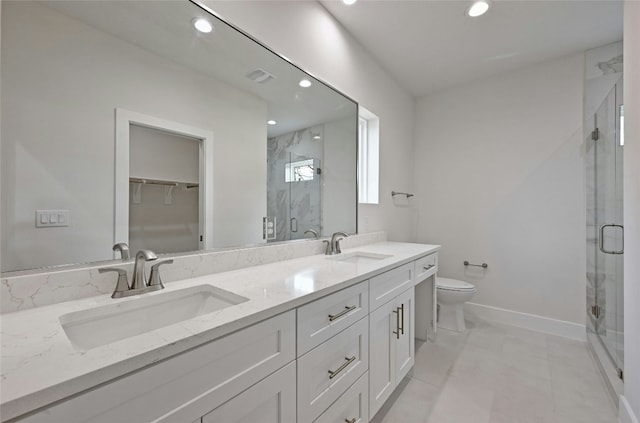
528,321
625,413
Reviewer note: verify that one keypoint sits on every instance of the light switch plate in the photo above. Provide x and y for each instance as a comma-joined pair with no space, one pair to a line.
52,218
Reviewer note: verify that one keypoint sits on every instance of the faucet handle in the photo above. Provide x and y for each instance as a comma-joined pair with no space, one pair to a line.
154,277
122,285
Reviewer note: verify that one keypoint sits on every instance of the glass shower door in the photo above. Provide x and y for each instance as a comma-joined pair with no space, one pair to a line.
607,227
303,175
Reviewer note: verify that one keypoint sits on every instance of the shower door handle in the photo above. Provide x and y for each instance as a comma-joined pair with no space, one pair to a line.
601,240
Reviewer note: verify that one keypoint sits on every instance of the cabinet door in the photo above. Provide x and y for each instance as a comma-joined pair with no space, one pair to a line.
405,348
273,400
382,352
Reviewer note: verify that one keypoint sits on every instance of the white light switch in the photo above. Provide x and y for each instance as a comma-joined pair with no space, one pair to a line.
52,218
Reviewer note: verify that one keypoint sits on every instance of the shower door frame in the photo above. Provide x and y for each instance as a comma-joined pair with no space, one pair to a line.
607,230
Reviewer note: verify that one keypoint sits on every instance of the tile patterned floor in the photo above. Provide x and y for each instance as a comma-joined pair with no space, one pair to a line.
500,374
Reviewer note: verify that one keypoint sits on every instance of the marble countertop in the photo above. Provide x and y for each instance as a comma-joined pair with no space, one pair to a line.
40,365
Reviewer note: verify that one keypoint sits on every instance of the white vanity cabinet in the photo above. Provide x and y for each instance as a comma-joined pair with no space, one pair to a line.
321,319
391,349
187,386
352,406
425,269
328,370
335,359
272,400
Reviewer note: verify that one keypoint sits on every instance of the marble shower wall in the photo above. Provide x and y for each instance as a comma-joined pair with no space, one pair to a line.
300,200
603,70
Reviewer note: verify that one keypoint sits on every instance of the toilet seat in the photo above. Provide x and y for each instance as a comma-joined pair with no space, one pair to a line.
454,285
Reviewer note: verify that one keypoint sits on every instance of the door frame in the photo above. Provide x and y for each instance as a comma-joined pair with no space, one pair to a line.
123,120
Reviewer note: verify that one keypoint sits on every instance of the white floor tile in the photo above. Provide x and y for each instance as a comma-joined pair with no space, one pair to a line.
500,374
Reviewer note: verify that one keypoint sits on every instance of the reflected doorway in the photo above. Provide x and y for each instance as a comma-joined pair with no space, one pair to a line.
164,184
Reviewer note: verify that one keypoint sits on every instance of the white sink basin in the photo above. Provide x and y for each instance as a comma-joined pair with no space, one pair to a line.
359,257
102,325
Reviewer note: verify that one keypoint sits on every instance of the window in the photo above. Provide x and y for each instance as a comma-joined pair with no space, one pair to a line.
299,171
368,156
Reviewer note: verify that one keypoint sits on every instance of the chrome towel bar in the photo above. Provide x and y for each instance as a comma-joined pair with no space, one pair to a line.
483,265
394,193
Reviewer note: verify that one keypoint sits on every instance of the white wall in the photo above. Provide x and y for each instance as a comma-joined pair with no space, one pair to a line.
339,192
77,111
632,207
309,36
500,179
163,156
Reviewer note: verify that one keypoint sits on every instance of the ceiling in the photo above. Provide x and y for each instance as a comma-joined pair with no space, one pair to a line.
429,46
165,28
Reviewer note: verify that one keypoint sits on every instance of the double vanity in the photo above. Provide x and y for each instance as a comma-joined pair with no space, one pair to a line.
313,339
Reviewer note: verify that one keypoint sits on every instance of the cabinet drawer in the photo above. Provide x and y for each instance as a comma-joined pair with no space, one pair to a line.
352,406
272,400
188,385
425,267
388,285
325,372
321,319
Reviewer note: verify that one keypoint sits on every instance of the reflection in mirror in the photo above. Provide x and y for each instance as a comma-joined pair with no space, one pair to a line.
121,122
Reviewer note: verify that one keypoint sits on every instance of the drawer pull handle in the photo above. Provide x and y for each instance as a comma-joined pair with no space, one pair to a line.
353,420
346,310
429,266
334,373
397,331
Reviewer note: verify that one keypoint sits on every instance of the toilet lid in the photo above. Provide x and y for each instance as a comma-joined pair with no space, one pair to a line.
454,285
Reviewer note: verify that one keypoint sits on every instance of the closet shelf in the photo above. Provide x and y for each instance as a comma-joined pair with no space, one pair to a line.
161,182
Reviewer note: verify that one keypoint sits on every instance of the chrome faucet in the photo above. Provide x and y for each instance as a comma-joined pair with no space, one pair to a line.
312,232
333,246
124,250
139,282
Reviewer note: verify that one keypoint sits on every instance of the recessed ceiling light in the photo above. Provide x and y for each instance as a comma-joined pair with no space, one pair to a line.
203,25
478,8
271,122
304,83
316,137
349,2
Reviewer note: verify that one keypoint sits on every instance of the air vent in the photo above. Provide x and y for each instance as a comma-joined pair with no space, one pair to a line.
260,76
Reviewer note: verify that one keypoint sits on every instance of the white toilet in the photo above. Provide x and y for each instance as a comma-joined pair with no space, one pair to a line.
452,294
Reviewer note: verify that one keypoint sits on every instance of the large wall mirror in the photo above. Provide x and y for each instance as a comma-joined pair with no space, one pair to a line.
123,122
